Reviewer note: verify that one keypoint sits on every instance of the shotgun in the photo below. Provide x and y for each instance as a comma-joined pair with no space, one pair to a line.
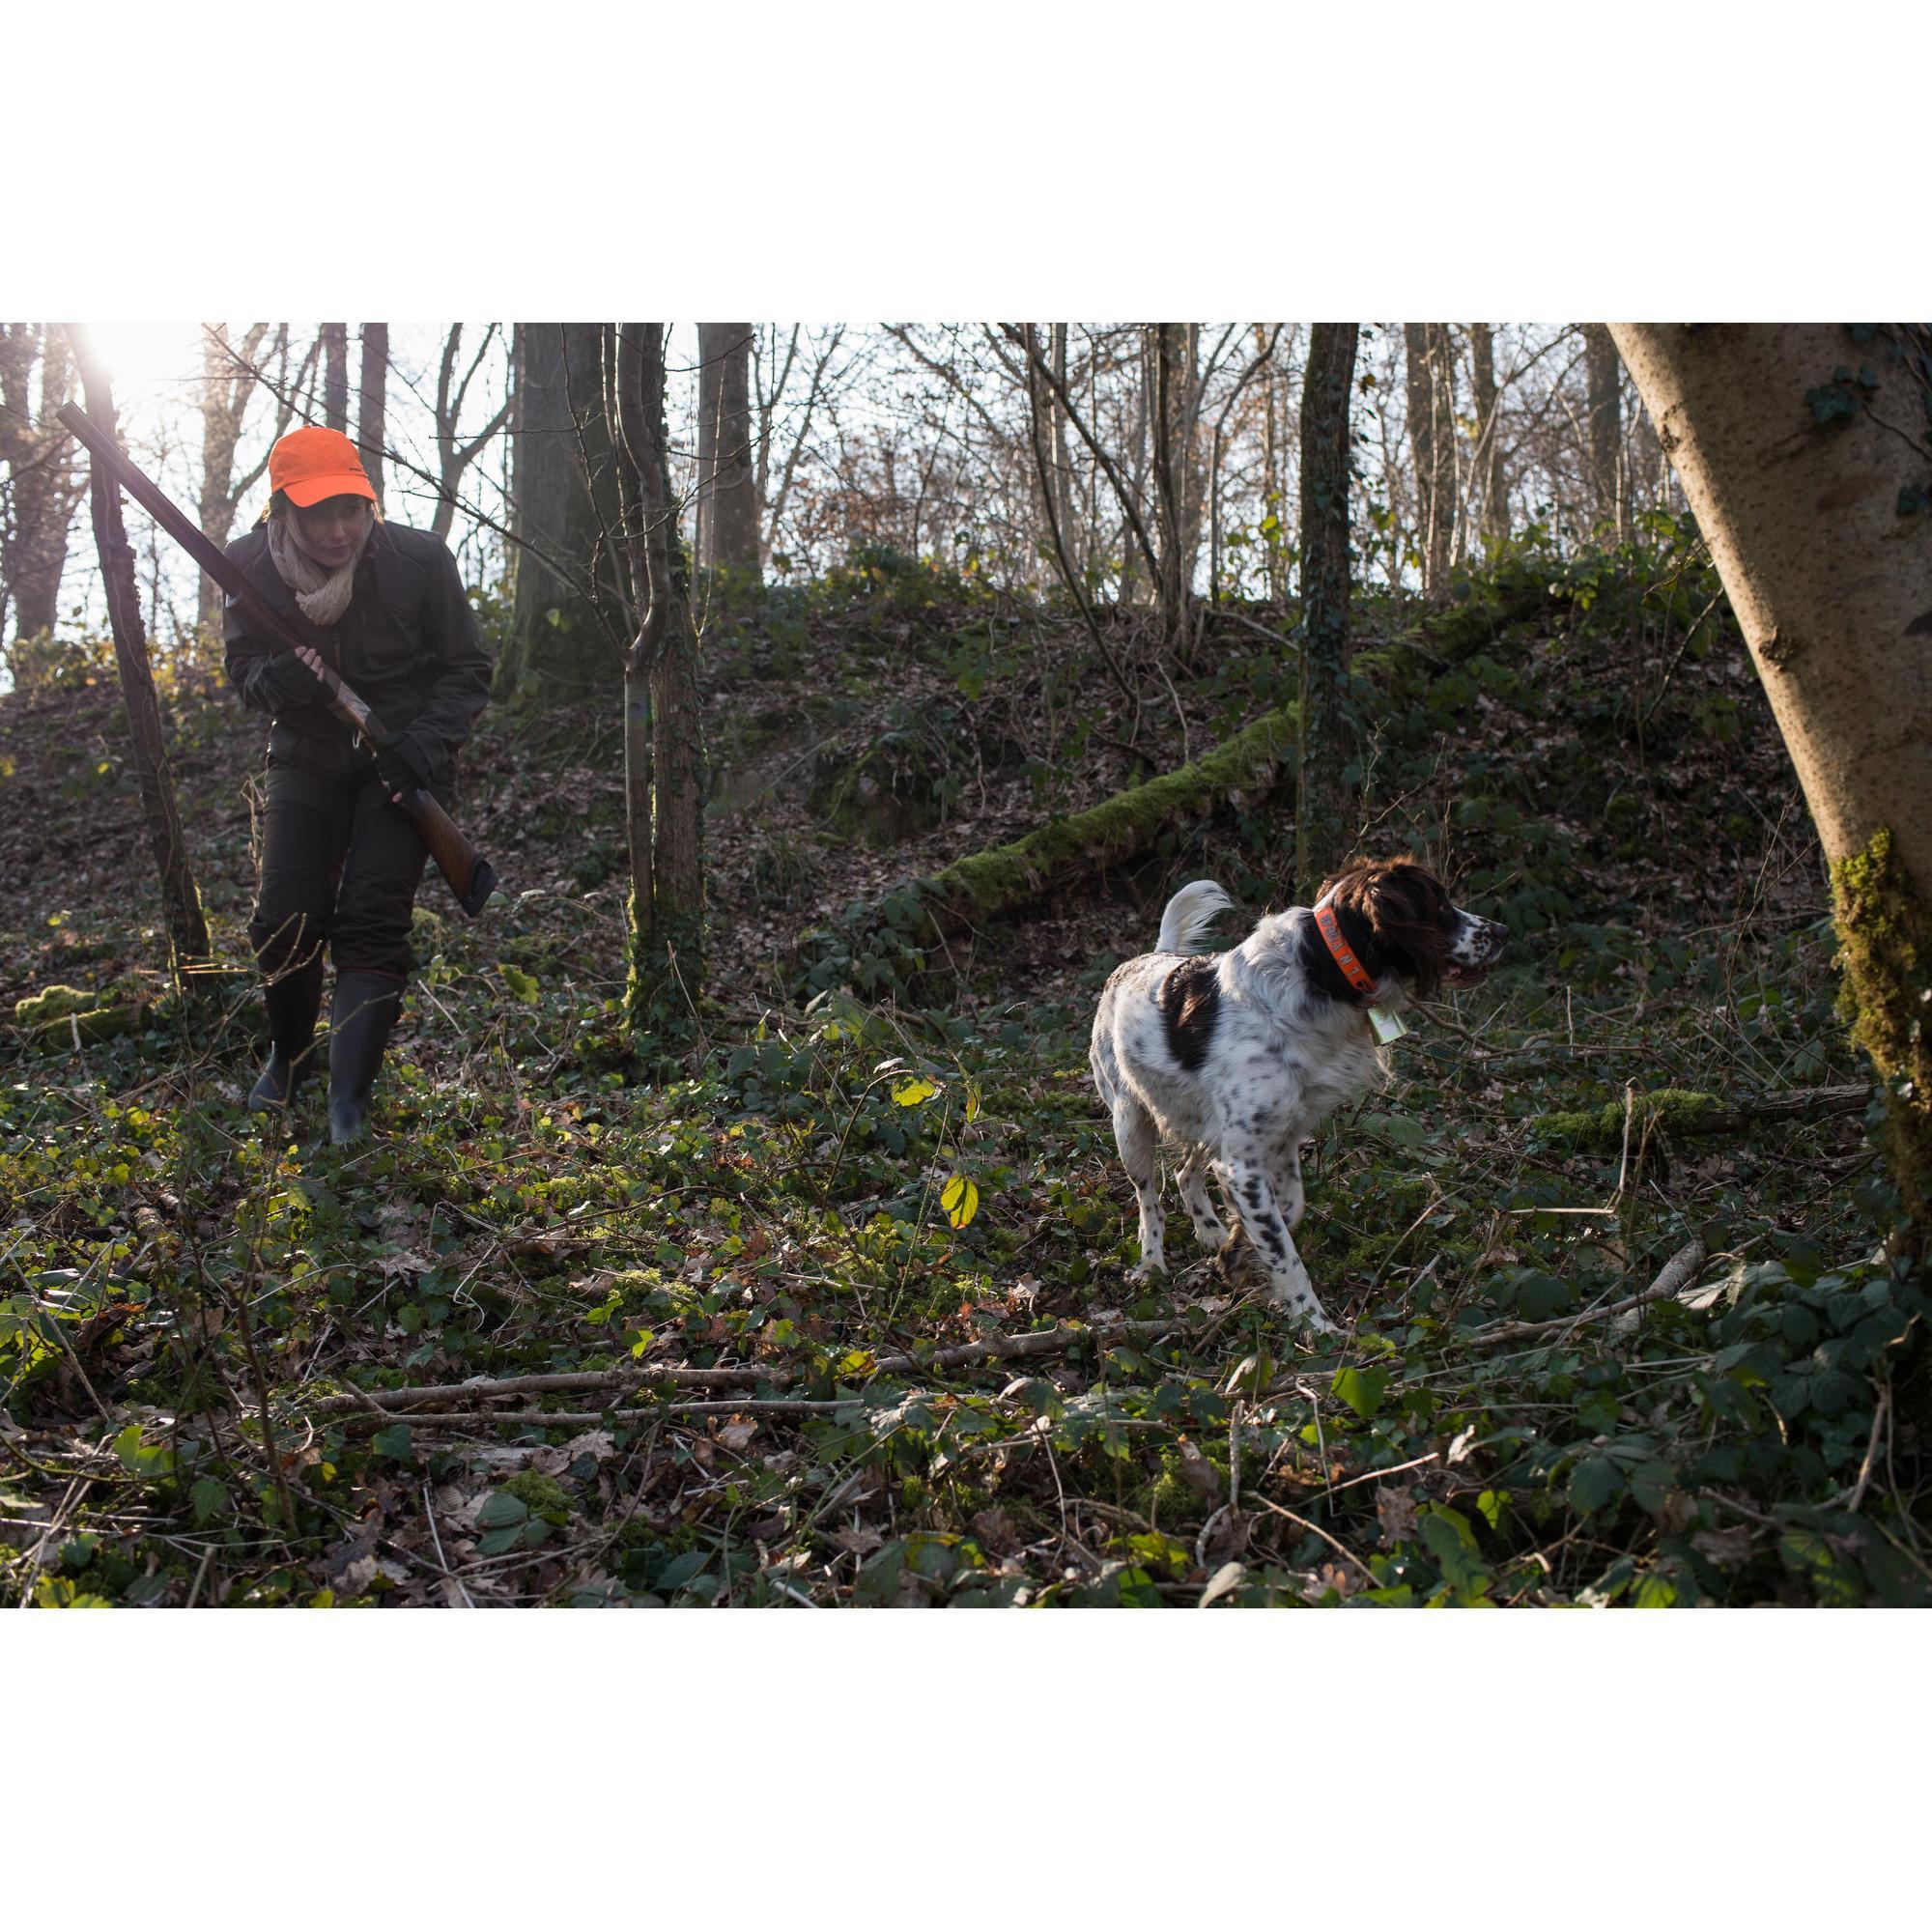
472,876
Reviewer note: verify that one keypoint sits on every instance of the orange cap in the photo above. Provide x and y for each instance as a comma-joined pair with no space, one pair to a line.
312,464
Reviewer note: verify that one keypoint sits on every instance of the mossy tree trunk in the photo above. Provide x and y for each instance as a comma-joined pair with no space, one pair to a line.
728,511
1804,451
663,740
1324,798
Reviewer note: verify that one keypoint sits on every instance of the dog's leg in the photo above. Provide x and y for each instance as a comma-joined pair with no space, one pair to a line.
1209,1230
1290,1197
1139,1141
1262,1219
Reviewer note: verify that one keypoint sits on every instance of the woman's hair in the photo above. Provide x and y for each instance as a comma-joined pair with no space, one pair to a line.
278,508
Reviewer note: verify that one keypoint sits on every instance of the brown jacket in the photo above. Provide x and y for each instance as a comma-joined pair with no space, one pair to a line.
408,646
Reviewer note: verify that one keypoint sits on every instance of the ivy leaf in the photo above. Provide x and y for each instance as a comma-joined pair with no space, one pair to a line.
501,1511
1362,1389
522,986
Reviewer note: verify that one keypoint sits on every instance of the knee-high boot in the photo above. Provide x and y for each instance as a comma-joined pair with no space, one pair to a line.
365,1008
294,998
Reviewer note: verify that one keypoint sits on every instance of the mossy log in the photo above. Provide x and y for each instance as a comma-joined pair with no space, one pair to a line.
67,1016
988,883
1673,1111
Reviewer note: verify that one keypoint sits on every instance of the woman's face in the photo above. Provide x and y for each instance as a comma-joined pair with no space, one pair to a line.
331,530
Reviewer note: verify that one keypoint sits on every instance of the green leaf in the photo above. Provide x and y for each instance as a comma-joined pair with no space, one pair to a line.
1593,1482
208,1498
960,1199
392,1441
522,986
1362,1389
501,1511
910,1093
1453,1544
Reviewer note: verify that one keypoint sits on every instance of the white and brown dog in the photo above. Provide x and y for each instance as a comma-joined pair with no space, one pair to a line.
1234,1058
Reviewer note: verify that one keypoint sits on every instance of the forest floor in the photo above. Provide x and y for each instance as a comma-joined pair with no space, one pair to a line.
833,1309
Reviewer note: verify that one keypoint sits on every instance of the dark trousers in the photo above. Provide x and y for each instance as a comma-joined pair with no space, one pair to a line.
340,866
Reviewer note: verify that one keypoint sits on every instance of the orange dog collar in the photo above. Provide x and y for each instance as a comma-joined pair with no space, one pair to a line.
1339,948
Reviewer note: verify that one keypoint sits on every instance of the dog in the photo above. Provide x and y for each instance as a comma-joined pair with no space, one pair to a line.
1234,1058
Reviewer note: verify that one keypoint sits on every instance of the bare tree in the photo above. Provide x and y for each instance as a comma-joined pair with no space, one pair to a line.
1606,436
663,740
1431,438
1487,468
728,485
453,454
181,897
372,401
336,376
1324,809
45,484
229,380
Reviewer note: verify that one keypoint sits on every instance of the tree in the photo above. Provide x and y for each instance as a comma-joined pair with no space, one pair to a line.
1431,439
45,484
664,739
1603,378
1487,464
729,515
371,398
228,379
335,375
1804,451
181,897
453,454
1324,812
571,615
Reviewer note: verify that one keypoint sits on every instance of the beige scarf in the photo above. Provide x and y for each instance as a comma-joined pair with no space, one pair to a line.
323,595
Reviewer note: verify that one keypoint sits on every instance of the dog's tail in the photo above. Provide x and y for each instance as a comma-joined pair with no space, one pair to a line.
1189,913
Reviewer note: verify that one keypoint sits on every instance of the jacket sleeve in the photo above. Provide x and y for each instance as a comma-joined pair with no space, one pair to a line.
245,653
462,686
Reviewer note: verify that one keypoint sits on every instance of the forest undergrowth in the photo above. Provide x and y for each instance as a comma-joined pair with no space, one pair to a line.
826,1303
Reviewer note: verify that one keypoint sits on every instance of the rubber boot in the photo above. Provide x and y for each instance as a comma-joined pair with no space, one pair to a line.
294,998
365,1008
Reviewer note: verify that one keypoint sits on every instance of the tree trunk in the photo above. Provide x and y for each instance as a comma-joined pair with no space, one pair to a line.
1431,428
228,385
370,401
1325,808
1800,450
180,899
1488,461
336,376
1606,430
661,700
569,624
38,454
729,513
454,456
1171,353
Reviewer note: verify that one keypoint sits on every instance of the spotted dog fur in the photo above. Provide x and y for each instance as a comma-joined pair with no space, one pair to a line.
1234,1058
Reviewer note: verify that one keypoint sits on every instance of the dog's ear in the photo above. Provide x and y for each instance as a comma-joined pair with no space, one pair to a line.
1407,915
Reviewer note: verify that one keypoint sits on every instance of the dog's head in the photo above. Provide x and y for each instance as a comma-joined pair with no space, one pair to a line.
1399,919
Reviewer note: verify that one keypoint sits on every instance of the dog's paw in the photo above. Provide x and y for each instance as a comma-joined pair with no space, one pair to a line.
1146,1269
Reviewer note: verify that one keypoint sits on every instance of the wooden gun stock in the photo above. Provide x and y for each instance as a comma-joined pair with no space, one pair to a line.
471,877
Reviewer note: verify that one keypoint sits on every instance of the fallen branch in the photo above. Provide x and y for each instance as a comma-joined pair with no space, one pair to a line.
1675,1277
1674,1111
638,1381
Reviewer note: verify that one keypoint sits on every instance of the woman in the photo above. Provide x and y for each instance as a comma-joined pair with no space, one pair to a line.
382,606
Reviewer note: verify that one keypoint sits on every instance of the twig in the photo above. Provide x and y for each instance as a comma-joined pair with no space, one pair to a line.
1341,1549
1676,1272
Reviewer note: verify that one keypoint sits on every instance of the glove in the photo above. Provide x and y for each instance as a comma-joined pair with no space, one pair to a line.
403,765
284,683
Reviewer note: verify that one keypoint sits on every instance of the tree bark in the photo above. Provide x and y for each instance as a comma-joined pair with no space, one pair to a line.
1606,430
228,385
1325,806
453,455
664,739
1431,430
569,624
729,513
1488,461
38,454
336,376
180,899
1801,449
370,401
